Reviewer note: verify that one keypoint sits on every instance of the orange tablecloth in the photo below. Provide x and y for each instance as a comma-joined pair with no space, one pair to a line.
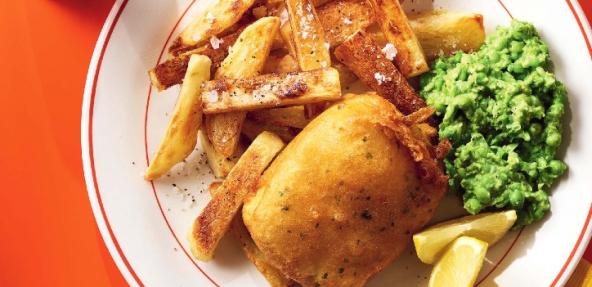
49,236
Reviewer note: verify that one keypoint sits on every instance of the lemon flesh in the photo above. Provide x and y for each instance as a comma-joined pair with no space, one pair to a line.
460,264
488,227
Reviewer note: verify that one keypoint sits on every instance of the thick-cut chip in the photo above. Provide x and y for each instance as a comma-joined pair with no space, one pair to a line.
213,21
334,17
394,24
441,33
181,135
287,64
220,165
286,33
272,63
213,222
248,54
339,19
376,34
274,7
260,11
168,73
246,59
271,90
239,231
361,54
251,129
346,76
171,72
213,187
316,3
310,47
358,87
343,18
278,42
287,117
279,61
312,50
177,48
274,2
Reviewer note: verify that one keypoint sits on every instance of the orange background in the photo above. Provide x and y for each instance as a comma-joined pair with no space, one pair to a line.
49,236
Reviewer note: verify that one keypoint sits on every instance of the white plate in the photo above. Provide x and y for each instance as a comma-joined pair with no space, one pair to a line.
145,224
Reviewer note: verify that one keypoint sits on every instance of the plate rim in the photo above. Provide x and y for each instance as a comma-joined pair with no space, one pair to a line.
99,213
91,182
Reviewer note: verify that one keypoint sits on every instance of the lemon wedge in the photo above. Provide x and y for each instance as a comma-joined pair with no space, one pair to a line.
489,227
460,264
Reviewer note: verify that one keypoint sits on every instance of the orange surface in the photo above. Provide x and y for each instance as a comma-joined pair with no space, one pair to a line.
49,236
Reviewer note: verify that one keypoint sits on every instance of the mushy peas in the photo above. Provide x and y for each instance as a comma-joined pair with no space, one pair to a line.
502,110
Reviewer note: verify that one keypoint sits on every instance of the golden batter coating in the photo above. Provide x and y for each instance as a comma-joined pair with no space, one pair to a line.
342,200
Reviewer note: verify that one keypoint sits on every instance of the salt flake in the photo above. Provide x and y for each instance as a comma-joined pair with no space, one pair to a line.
212,96
380,78
389,51
215,42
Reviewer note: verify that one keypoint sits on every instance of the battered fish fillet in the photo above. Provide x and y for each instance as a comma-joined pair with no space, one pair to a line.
342,200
